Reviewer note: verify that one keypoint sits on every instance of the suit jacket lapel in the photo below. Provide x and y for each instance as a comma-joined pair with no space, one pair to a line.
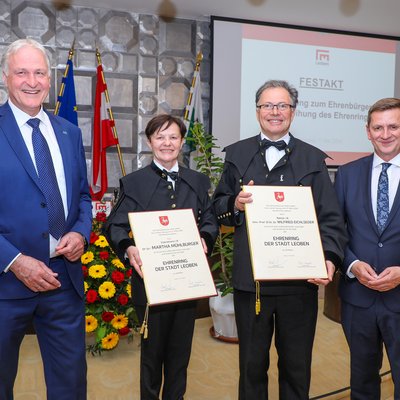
365,181
17,143
395,207
64,145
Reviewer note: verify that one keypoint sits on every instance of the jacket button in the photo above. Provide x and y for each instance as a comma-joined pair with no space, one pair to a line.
169,187
173,206
45,235
43,204
380,244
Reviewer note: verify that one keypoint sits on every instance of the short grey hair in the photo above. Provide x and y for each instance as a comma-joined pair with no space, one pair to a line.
19,44
273,83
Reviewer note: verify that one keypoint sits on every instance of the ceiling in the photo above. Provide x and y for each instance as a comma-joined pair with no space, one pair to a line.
369,16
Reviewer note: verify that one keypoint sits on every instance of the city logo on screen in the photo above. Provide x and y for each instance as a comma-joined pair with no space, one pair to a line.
322,57
164,220
279,196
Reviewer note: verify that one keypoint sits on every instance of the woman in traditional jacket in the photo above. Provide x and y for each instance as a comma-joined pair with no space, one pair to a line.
163,185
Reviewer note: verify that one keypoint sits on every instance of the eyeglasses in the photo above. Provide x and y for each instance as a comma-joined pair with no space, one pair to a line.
271,106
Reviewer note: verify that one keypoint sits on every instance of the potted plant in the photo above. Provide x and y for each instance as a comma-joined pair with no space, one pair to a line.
221,307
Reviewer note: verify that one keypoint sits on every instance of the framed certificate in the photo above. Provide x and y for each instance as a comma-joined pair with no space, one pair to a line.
175,267
283,233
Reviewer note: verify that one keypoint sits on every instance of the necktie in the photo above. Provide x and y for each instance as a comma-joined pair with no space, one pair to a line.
382,206
280,144
172,174
48,180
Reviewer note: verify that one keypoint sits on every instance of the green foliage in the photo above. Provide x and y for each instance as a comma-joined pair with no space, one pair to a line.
207,162
223,252
212,165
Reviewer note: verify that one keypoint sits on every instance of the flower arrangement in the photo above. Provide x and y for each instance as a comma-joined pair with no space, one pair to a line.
109,314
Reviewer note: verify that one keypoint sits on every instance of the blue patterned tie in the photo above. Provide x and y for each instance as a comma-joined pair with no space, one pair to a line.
382,206
48,180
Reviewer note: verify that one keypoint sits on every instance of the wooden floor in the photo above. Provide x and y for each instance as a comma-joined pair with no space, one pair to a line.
213,370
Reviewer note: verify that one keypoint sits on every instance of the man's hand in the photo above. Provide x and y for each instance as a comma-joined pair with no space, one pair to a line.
364,273
34,274
330,268
243,198
71,246
387,280
134,259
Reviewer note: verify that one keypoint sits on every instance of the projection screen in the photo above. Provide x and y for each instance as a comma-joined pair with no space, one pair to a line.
338,74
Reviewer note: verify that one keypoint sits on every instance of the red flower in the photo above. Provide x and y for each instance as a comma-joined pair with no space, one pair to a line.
104,255
124,331
123,299
85,271
117,277
107,316
91,296
93,237
101,217
129,273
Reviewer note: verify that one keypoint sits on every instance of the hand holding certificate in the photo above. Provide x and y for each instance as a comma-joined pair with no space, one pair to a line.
283,233
174,265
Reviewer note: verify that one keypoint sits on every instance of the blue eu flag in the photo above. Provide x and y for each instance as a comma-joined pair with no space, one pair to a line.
67,98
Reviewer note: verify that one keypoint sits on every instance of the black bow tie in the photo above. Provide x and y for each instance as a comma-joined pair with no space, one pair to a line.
280,144
172,174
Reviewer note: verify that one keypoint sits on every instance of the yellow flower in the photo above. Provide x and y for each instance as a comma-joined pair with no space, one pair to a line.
86,286
91,323
87,257
97,271
110,341
119,321
101,241
117,263
129,290
107,290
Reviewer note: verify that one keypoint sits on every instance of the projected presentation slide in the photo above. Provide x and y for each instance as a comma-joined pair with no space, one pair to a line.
338,76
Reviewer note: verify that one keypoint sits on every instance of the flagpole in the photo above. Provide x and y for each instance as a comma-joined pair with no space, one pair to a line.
110,114
62,87
199,59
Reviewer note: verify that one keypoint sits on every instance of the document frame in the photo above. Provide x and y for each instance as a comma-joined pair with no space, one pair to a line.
175,267
283,232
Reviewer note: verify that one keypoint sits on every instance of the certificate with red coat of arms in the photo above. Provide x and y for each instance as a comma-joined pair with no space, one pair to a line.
175,267
283,233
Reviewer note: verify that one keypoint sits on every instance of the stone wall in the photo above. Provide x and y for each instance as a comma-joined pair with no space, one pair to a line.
148,65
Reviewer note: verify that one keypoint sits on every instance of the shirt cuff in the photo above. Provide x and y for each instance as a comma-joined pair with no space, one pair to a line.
9,265
348,272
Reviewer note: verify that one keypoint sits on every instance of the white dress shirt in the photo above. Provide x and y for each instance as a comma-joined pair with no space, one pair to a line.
272,154
175,168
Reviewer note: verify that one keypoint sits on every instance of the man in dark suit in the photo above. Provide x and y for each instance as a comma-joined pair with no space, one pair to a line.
45,221
287,307
368,194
